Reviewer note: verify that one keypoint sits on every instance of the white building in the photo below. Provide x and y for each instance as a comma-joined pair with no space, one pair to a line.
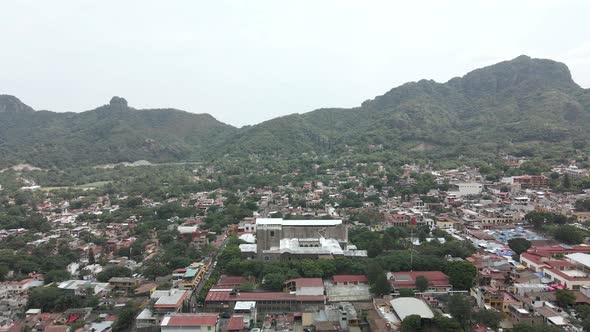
468,188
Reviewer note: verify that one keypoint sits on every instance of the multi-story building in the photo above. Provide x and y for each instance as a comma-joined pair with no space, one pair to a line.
531,181
285,240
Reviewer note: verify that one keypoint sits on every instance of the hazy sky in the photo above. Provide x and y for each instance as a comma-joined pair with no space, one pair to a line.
249,61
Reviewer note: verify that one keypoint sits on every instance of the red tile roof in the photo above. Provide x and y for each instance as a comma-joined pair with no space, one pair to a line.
235,323
306,282
56,328
231,281
549,250
408,279
224,296
190,321
349,278
559,263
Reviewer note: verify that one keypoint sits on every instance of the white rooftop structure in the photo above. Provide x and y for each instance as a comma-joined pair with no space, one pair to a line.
281,221
33,312
145,314
579,258
557,320
247,247
327,246
248,237
187,229
102,326
167,297
74,285
406,306
245,305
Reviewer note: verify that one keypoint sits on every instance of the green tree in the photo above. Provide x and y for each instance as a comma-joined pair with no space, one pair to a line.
538,218
91,259
154,270
125,318
3,272
582,205
55,276
411,323
568,234
51,299
489,318
247,287
113,271
583,314
421,283
374,269
567,182
459,307
311,269
406,292
461,274
565,298
381,286
519,245
445,324
274,281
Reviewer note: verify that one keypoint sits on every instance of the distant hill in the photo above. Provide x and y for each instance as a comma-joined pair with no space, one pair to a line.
108,134
523,106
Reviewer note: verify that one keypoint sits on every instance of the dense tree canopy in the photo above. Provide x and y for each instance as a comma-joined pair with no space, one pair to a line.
519,245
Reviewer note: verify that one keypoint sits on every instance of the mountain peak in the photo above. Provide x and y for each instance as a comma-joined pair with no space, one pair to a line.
10,103
521,73
118,102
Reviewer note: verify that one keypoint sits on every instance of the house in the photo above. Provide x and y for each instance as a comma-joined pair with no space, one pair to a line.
520,315
305,286
124,283
232,282
146,289
491,298
437,281
145,319
85,287
247,310
343,280
189,323
17,287
169,301
342,316
581,216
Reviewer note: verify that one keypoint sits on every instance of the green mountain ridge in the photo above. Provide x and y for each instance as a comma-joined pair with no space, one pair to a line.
520,106
108,134
523,106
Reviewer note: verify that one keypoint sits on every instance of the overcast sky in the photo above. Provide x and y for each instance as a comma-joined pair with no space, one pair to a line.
245,62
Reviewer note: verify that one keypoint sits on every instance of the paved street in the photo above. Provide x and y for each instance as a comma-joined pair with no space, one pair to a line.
206,277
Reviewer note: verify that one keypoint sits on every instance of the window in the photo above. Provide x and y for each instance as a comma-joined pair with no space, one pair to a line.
272,233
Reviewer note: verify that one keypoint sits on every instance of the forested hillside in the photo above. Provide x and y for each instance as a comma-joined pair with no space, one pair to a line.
524,106
109,134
